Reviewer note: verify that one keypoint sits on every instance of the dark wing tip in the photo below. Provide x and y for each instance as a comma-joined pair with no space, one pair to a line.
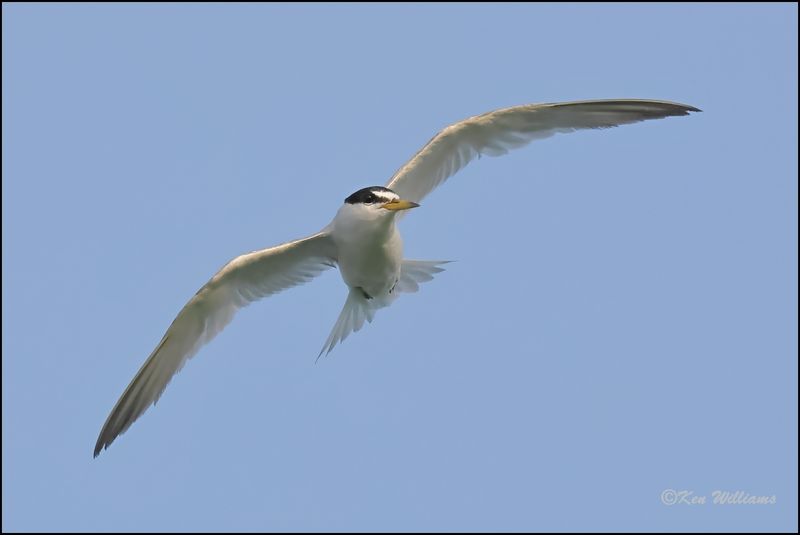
101,445
674,108
686,109
656,109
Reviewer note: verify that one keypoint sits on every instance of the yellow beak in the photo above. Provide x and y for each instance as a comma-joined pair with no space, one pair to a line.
399,205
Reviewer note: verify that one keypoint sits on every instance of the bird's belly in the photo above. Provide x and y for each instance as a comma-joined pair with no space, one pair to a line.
373,269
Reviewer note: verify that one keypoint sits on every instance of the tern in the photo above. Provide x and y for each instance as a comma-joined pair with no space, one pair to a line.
362,240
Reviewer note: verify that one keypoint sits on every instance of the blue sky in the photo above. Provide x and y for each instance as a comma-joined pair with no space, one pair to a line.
621,319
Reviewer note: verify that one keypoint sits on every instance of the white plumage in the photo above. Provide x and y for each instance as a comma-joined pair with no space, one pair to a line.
362,240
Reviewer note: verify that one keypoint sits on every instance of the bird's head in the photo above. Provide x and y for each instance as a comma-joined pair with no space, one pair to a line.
376,202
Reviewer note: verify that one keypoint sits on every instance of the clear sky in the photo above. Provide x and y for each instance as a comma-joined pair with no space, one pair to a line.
620,321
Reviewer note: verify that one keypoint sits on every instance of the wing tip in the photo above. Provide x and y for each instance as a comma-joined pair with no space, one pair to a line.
105,440
680,109
686,109
99,447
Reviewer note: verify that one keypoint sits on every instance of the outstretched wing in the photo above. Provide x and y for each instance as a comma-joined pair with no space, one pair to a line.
497,132
240,282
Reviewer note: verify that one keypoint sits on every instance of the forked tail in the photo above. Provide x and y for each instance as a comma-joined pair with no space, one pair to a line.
357,308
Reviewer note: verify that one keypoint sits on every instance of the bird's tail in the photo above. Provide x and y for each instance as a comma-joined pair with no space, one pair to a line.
415,272
357,308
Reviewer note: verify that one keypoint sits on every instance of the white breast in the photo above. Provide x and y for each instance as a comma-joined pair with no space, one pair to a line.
370,249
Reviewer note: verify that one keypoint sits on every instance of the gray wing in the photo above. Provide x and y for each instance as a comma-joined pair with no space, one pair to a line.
497,132
240,282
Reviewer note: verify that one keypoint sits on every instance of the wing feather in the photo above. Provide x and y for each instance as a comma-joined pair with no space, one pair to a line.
241,281
497,132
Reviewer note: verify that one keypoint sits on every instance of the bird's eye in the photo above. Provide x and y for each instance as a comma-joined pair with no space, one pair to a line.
369,199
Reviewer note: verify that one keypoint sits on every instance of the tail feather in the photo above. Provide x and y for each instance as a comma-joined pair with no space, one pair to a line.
358,309
415,272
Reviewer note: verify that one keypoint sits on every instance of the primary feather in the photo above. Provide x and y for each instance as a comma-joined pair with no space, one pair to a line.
497,132
240,282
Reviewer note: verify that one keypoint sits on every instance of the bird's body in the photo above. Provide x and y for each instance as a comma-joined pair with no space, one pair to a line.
362,240
370,250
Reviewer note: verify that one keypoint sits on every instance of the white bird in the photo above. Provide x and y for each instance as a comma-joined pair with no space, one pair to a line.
362,240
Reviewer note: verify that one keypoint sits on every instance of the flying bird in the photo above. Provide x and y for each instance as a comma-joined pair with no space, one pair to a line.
362,240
